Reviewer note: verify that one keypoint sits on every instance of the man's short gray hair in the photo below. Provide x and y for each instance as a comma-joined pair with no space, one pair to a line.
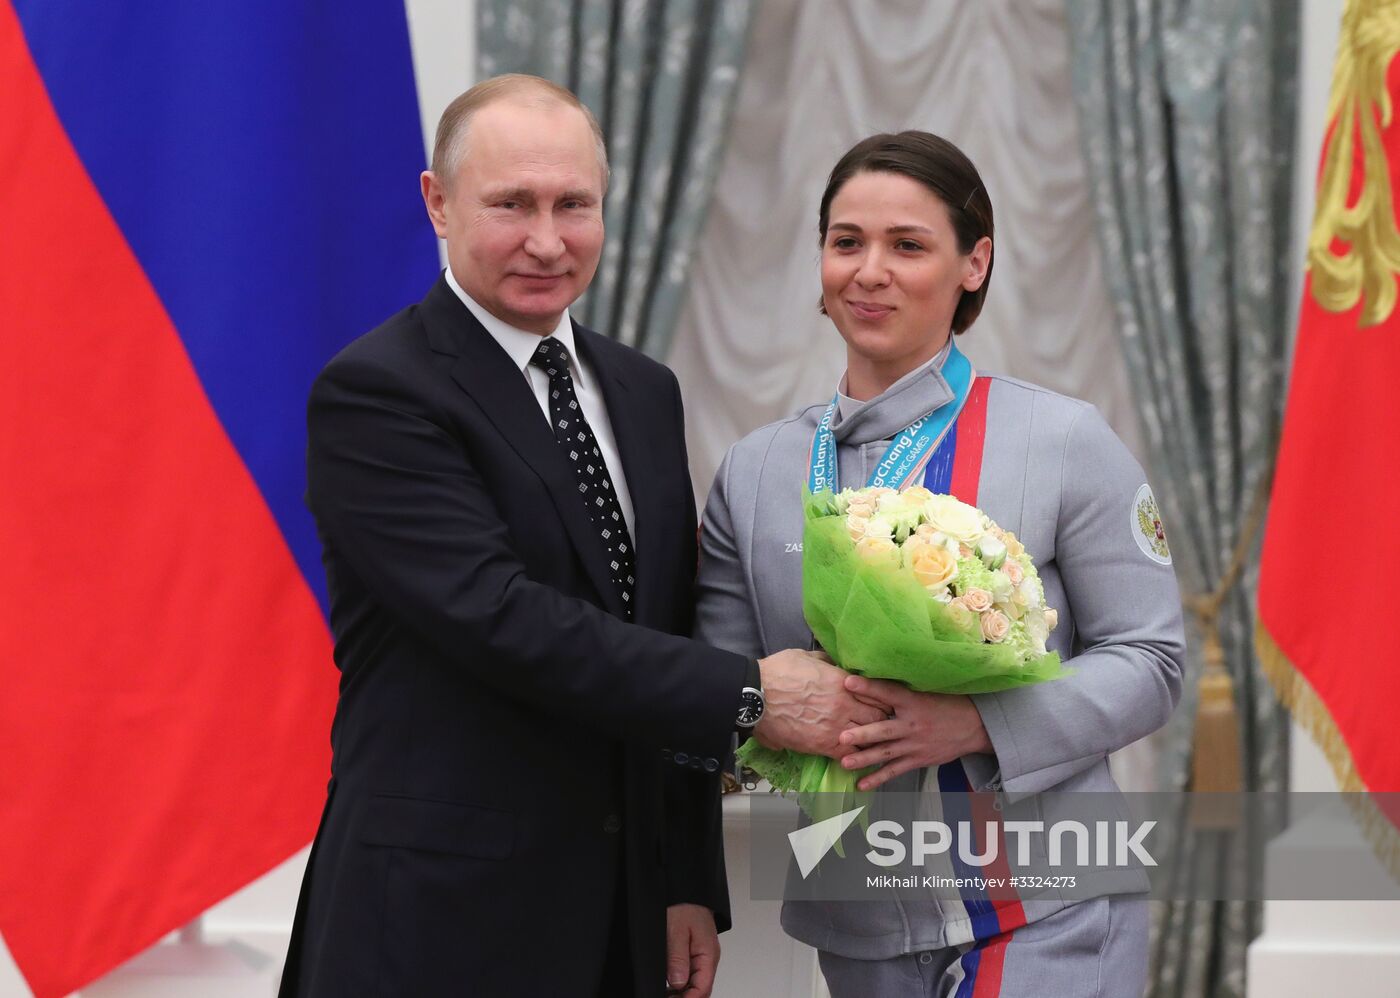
450,145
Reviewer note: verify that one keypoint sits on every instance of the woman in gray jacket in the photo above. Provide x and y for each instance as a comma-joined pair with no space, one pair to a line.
906,257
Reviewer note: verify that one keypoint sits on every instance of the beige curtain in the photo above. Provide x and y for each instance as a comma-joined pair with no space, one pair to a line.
992,76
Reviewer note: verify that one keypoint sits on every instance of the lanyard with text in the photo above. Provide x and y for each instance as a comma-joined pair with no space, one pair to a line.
911,448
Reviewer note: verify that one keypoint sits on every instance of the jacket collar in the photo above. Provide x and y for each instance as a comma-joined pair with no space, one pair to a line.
487,373
916,394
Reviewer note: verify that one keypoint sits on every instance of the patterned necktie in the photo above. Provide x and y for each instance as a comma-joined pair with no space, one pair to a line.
575,438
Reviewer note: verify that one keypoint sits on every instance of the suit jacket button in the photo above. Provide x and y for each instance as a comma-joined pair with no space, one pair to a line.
711,765
612,824
681,758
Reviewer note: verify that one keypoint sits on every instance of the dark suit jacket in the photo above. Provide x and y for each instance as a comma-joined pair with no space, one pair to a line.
498,743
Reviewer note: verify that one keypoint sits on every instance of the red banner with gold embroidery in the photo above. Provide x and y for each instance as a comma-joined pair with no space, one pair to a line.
1331,553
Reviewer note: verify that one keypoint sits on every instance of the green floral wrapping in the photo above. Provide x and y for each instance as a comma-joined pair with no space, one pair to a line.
874,618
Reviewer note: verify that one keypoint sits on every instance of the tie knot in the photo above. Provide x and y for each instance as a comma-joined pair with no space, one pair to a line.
552,356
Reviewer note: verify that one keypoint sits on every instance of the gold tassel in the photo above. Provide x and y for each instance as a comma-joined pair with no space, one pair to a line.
1215,752
1216,748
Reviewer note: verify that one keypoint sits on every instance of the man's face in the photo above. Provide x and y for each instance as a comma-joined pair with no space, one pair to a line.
523,217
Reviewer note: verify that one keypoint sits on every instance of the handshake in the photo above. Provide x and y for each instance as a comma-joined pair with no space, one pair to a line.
808,705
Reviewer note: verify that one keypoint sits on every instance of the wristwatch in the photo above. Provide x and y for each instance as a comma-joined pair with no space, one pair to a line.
751,702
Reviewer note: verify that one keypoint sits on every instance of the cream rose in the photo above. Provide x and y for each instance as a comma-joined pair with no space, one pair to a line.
995,626
876,549
934,567
956,519
1013,547
917,495
962,617
1052,617
913,546
977,600
1014,571
861,507
855,526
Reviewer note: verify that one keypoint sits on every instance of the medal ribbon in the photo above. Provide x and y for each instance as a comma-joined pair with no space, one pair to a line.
909,452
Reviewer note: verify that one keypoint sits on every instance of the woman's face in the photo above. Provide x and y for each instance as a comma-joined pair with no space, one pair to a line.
892,273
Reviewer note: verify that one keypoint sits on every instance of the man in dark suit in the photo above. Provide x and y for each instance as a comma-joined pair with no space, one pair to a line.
524,797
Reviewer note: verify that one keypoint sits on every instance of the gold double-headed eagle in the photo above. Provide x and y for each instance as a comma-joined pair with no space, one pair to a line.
1360,107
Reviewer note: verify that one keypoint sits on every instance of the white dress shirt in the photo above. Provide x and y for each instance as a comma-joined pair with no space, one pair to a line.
521,346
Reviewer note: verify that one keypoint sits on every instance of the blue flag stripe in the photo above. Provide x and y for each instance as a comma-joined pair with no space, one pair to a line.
261,160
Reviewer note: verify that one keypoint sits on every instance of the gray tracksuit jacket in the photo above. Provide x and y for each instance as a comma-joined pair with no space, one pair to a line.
1055,474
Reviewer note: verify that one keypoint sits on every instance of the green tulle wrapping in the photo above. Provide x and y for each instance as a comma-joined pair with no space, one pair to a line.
874,619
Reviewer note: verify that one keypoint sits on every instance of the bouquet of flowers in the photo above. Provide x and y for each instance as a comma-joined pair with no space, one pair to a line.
919,588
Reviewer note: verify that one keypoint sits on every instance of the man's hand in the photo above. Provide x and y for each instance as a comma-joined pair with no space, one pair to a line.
928,729
808,705
692,950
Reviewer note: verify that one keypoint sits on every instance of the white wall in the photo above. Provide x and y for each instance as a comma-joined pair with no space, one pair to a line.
1321,27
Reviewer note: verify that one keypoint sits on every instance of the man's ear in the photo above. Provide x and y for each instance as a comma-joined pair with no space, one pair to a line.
435,200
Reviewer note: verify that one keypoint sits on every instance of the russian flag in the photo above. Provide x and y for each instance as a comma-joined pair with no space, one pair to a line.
199,204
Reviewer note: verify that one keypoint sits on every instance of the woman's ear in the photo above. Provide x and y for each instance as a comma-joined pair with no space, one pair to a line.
977,263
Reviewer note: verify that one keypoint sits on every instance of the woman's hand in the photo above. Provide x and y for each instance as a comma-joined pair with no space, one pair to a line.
927,729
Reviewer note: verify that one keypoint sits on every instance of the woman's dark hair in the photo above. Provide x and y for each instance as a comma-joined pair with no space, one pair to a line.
946,171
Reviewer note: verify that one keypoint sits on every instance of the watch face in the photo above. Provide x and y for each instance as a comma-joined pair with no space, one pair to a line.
751,708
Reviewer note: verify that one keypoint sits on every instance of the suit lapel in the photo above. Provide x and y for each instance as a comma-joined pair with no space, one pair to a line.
485,372
637,443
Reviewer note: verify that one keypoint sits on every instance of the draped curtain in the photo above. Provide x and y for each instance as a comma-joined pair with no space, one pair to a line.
1187,113
660,77
991,76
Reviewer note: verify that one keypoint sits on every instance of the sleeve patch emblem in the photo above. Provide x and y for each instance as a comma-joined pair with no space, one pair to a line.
1147,527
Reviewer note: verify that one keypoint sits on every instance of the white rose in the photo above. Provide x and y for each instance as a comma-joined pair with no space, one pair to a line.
879,525
991,551
956,519
1002,589
1037,627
